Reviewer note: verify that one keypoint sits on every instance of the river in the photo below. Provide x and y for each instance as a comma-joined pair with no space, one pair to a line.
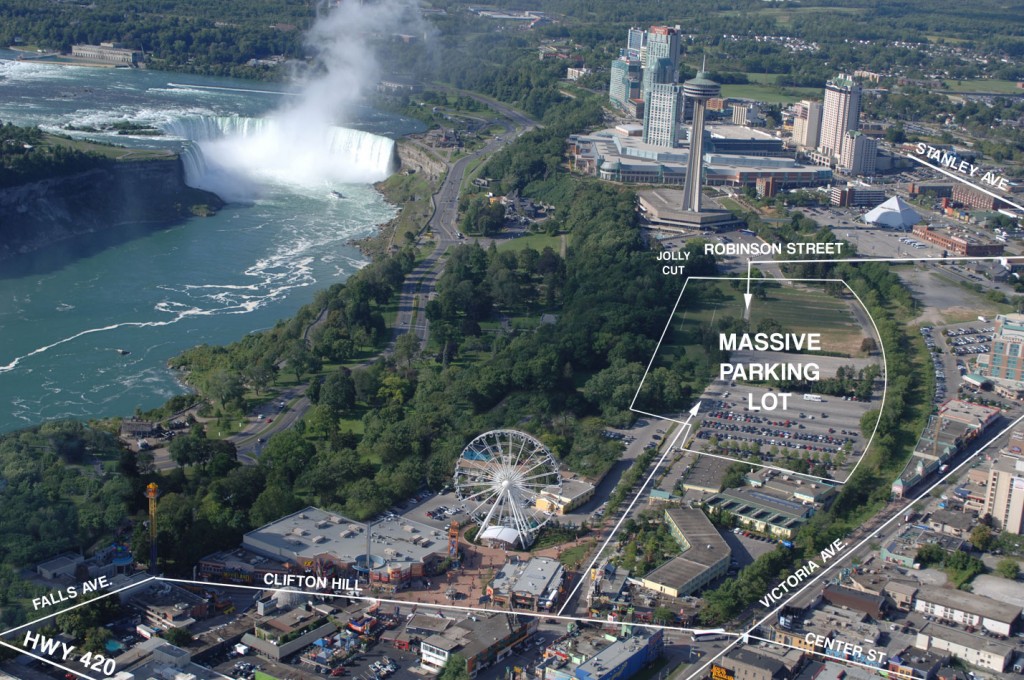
65,312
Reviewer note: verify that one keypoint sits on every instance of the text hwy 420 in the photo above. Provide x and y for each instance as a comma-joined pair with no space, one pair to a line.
62,650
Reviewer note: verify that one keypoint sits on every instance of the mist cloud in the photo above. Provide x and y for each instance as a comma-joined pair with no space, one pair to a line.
300,143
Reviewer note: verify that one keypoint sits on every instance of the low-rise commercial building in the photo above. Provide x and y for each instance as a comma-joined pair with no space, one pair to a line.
482,640
968,609
704,557
902,549
165,606
976,650
333,546
746,664
601,656
761,511
872,605
954,427
536,584
956,245
282,634
564,499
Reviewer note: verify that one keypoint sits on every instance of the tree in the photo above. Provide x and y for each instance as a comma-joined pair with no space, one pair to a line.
191,449
1008,568
224,387
259,375
929,554
179,637
96,639
454,668
338,392
407,348
273,503
663,616
300,360
981,537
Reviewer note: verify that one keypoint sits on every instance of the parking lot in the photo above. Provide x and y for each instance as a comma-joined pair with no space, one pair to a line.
822,431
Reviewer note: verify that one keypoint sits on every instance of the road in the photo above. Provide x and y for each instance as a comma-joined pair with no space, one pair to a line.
419,284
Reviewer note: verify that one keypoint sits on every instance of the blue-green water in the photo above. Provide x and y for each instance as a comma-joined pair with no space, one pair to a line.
65,311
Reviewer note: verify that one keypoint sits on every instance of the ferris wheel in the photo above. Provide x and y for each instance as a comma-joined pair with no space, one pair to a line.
499,478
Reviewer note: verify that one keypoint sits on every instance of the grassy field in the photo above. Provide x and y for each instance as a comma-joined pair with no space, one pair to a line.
731,204
110,151
536,241
797,309
809,310
993,86
769,93
784,15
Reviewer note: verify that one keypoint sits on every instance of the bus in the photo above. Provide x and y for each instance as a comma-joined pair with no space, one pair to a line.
709,635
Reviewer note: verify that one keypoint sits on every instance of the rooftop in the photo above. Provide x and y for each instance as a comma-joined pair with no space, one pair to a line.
969,602
535,577
571,489
615,654
752,658
707,546
979,643
311,532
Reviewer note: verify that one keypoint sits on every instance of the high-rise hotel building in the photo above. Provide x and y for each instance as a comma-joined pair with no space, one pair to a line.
840,114
807,124
1006,358
1004,495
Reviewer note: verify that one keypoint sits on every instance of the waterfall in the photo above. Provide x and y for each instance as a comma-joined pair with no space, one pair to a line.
234,156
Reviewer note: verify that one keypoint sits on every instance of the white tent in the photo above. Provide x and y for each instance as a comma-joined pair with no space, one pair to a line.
894,213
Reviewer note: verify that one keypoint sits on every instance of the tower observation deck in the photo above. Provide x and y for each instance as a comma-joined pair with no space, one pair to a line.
700,90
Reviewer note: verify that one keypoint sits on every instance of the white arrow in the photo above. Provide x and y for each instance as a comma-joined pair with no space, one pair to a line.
640,492
747,296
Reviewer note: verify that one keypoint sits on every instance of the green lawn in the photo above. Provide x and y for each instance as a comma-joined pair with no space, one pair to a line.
811,310
731,205
769,93
536,241
412,194
762,78
784,15
984,85
569,558
108,150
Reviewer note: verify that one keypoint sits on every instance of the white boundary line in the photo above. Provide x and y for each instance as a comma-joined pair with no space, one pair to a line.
961,179
76,606
45,660
828,657
559,616
650,363
849,552
432,605
874,325
686,427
